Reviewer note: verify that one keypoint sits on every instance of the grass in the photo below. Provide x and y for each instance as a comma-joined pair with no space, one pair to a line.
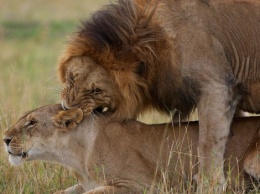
32,36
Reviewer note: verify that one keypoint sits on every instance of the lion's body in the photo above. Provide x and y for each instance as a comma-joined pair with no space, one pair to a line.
124,157
216,40
172,56
203,39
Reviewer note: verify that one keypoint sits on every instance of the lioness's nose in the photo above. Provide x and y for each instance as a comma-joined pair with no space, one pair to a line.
7,140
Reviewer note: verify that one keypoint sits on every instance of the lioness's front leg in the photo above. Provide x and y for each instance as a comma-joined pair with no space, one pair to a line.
111,190
216,109
76,189
252,160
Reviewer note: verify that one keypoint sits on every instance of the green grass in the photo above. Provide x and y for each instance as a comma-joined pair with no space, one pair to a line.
32,36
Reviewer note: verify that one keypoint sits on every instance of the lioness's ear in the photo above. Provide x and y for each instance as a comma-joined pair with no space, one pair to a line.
68,119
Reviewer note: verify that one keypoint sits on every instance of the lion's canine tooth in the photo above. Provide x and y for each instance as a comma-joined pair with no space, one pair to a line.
104,109
63,105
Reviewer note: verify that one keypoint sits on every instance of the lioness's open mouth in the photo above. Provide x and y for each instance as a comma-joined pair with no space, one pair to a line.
22,154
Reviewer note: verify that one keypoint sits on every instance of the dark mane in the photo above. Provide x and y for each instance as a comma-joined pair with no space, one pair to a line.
120,27
111,26
126,39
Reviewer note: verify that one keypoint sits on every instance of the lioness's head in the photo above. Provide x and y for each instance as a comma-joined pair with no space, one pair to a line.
37,132
107,63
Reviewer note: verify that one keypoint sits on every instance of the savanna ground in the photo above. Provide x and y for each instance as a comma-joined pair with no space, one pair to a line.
32,36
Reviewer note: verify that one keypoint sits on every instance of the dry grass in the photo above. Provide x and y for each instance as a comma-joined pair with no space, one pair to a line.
32,34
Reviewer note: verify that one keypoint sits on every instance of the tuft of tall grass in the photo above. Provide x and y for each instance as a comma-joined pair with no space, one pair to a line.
32,35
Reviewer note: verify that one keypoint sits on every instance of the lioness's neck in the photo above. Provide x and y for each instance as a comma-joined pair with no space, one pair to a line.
70,149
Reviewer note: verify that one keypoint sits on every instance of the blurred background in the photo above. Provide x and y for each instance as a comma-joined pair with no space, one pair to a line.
32,36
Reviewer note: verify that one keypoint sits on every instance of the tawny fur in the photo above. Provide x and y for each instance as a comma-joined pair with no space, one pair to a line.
172,56
125,157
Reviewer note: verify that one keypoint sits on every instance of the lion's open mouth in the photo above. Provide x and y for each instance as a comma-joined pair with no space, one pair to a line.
98,109
101,109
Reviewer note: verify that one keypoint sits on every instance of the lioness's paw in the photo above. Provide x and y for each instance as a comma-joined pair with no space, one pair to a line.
76,189
60,192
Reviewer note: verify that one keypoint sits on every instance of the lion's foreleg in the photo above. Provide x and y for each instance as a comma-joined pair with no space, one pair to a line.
216,109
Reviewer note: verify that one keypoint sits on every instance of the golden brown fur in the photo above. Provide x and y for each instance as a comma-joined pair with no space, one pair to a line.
172,56
125,157
252,160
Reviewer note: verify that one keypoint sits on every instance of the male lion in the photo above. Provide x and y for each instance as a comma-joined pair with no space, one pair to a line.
113,155
173,56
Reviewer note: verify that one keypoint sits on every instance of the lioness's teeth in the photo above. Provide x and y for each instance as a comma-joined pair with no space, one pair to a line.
104,109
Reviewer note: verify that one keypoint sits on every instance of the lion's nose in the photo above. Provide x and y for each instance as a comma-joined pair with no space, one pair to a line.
7,140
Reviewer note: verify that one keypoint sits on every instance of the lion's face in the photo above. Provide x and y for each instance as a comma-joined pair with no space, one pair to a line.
36,133
89,86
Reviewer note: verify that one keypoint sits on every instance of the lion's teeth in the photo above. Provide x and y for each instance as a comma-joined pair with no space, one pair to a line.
63,105
104,109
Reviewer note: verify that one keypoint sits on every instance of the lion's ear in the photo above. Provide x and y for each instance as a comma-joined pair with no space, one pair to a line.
67,119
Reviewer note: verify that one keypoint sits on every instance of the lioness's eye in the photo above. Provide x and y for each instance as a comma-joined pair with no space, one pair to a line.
30,123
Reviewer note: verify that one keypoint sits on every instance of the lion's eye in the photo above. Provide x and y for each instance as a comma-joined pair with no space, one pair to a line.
97,91
30,123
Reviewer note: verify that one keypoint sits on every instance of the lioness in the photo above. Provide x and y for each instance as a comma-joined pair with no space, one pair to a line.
171,55
123,157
